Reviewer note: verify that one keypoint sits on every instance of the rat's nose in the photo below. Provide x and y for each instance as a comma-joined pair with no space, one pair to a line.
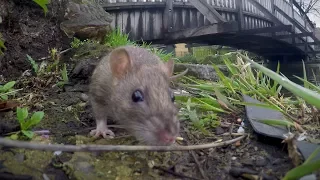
166,137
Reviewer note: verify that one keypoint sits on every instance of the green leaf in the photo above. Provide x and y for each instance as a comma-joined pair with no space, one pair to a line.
309,96
29,134
22,114
276,122
4,96
313,155
64,73
8,86
33,63
37,117
14,136
306,85
302,170
34,120
256,104
43,4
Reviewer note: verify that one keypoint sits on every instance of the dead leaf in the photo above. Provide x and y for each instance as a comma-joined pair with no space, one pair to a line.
293,152
8,105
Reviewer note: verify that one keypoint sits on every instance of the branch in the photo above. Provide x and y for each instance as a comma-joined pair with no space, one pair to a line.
95,148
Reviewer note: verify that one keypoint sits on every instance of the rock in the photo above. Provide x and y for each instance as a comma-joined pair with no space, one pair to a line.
219,130
205,72
19,157
247,161
86,19
261,162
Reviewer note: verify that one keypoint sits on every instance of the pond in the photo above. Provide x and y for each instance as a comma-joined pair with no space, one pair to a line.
292,69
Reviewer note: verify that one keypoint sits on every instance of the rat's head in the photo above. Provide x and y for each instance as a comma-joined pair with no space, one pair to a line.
143,100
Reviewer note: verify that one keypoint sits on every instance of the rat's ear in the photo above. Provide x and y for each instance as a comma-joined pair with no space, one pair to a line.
169,66
119,62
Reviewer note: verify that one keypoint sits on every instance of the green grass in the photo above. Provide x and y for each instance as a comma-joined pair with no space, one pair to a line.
2,46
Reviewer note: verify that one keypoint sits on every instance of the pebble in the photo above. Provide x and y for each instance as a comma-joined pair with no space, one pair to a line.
84,97
233,158
261,162
19,157
219,130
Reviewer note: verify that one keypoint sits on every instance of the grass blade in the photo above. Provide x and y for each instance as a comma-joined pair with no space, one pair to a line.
308,95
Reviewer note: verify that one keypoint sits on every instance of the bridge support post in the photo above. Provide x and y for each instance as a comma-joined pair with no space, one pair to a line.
240,16
168,16
293,26
273,12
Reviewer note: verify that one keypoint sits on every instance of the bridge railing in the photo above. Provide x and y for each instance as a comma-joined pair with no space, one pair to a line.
286,11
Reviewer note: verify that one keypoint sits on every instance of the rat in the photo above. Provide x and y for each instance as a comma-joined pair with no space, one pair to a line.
131,85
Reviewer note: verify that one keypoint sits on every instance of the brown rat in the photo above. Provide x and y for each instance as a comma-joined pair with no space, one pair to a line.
131,86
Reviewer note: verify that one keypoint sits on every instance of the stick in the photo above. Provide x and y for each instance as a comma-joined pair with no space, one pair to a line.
95,148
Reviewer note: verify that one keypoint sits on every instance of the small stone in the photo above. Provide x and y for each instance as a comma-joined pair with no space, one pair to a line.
239,120
261,162
19,157
240,130
151,164
237,144
247,162
233,158
219,131
277,161
84,97
256,148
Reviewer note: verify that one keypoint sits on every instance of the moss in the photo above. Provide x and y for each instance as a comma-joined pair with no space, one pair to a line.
90,49
32,162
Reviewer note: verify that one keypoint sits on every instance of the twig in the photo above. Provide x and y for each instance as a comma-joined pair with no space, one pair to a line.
95,148
199,166
203,174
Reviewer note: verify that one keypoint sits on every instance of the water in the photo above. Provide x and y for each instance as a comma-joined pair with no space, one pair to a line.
291,69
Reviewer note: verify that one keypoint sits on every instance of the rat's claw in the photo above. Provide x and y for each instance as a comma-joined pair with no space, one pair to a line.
105,133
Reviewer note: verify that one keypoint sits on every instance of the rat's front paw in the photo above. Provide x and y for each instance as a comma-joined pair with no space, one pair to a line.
104,132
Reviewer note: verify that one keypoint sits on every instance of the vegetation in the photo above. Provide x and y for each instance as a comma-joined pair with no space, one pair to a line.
26,122
210,102
2,46
43,5
7,90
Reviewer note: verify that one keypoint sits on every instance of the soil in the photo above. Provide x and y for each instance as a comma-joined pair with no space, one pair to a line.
69,120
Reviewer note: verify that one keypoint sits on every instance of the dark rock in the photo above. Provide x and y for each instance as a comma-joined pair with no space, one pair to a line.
248,162
84,68
306,149
237,172
256,113
261,162
86,20
20,157
277,161
205,72
219,130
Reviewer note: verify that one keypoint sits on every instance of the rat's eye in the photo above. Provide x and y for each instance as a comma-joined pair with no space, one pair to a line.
137,96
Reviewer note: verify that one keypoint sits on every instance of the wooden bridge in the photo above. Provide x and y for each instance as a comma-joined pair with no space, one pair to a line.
271,28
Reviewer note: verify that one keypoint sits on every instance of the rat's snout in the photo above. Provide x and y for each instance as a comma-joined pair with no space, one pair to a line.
166,137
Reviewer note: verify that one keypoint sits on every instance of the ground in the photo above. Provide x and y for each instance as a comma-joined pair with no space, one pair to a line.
69,120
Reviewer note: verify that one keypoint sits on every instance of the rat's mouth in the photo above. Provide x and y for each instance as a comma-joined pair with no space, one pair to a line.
166,137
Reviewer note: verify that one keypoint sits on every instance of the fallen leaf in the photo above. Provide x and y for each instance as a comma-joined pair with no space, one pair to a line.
293,151
8,105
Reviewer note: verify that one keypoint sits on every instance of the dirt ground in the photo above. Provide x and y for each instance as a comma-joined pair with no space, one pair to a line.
69,120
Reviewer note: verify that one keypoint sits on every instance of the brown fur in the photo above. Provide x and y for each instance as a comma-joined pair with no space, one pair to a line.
117,76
